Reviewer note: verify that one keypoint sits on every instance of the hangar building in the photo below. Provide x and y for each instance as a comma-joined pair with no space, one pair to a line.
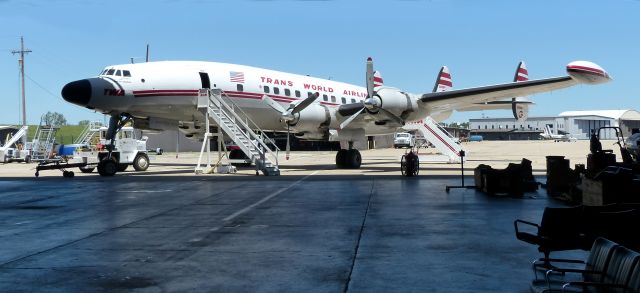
577,123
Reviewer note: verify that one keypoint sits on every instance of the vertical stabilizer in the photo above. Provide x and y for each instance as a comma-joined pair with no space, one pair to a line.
522,74
520,105
443,82
377,80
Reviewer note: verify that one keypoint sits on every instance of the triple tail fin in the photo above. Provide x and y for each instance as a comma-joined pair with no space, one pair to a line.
522,74
443,82
377,80
520,105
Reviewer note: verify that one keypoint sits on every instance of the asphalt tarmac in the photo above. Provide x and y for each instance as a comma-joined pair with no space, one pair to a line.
312,230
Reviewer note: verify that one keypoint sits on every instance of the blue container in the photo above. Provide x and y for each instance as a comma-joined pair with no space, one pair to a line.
67,150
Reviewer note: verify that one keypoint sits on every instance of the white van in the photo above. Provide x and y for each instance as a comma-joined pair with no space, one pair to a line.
403,139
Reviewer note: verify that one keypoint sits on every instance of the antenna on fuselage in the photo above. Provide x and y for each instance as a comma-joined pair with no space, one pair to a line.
147,59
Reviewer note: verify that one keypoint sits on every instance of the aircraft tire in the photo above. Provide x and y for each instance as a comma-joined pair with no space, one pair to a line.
141,162
107,167
122,167
27,159
353,159
341,159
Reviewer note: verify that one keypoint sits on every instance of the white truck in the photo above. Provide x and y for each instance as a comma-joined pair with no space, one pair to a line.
403,139
13,151
129,151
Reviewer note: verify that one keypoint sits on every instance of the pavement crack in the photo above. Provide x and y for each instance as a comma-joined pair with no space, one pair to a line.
364,222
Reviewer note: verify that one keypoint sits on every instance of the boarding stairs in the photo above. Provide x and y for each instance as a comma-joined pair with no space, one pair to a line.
239,127
444,142
41,146
15,137
87,134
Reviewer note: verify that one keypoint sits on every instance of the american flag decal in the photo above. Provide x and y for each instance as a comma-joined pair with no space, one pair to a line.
236,76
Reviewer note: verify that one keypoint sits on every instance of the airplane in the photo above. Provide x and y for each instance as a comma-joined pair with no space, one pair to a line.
548,135
163,95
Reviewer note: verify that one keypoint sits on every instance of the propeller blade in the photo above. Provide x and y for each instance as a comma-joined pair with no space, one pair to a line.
273,104
304,103
370,91
288,145
391,116
346,122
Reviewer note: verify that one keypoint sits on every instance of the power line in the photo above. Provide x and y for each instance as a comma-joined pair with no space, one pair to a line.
42,87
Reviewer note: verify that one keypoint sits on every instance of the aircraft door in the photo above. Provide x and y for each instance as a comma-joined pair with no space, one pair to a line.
204,79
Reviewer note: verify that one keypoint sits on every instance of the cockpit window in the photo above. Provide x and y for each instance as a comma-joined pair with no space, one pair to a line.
104,72
111,71
126,73
118,73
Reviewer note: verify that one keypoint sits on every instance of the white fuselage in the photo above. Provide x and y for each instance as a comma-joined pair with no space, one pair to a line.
168,90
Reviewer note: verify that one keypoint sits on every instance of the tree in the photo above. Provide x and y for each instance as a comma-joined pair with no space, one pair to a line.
84,122
55,119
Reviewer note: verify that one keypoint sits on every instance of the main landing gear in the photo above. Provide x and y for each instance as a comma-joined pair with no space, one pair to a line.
108,165
348,159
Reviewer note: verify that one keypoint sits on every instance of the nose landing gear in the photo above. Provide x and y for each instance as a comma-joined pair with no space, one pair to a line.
108,165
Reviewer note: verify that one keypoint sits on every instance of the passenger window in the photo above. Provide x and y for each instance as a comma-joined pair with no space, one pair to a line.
297,94
111,71
333,99
287,92
266,89
344,101
325,98
118,73
126,73
276,90
240,88
353,101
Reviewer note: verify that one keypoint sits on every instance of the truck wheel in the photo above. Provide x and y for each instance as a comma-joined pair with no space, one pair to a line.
122,167
27,159
141,162
107,167
86,169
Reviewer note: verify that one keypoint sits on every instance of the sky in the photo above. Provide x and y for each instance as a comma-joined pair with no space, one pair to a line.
480,41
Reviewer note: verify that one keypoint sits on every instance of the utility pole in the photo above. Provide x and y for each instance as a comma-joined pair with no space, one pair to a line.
24,101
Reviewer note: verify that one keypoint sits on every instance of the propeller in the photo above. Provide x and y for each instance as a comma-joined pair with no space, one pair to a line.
373,103
288,115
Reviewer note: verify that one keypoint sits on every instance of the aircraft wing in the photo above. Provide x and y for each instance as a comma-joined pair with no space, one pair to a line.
466,98
579,72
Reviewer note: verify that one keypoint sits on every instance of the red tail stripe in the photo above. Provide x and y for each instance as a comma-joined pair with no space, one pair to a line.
445,75
445,82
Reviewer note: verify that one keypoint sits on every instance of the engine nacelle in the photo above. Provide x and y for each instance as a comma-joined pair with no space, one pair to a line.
587,72
395,101
347,135
313,118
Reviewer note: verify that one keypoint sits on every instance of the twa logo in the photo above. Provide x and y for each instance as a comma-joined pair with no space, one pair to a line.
113,92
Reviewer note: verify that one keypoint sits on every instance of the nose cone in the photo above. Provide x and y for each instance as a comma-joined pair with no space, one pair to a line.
77,92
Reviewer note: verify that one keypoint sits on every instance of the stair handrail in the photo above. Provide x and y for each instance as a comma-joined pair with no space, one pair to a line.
245,124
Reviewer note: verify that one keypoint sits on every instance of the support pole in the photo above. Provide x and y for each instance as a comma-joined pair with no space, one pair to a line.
24,100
